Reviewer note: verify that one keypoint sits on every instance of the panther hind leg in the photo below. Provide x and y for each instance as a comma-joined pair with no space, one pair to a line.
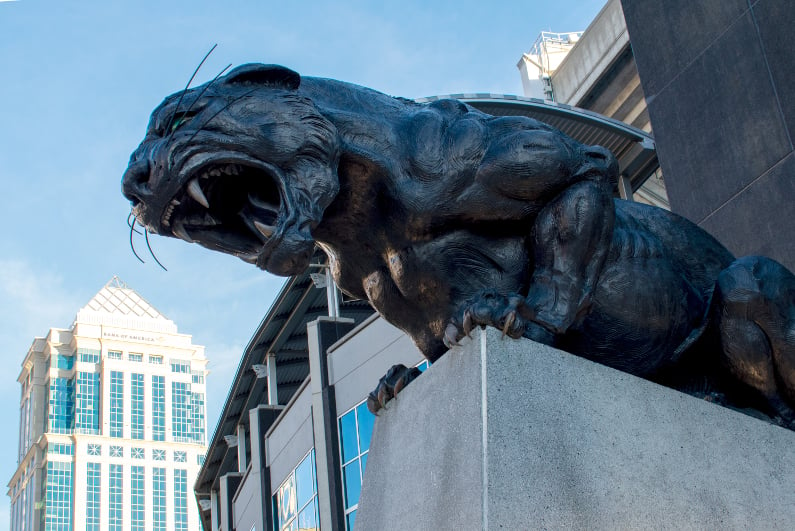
755,315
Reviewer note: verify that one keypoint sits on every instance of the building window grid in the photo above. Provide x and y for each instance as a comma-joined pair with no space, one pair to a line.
137,406
93,495
138,453
94,449
159,499
159,455
180,457
61,406
58,513
135,357
180,366
197,417
295,502
117,451
155,359
158,408
355,430
137,502
87,420
116,404
64,361
60,448
181,412
114,354
88,355
116,502
180,500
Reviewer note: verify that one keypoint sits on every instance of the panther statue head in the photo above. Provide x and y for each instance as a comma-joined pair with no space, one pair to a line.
238,173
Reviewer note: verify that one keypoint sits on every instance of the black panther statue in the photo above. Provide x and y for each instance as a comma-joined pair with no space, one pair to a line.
446,218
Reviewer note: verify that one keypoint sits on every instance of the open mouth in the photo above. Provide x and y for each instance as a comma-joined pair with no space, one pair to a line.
231,207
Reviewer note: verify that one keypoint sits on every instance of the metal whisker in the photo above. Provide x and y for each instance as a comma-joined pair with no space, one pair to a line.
171,132
185,90
132,245
130,223
146,236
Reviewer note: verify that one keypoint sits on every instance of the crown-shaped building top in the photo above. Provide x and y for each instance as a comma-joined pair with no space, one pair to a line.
116,304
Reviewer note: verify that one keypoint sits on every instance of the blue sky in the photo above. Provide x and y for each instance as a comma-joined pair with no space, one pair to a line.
77,83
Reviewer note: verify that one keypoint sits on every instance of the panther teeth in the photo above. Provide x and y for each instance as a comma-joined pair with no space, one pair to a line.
265,230
195,191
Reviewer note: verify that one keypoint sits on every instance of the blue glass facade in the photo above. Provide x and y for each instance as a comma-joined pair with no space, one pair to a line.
355,430
158,408
180,500
58,514
159,499
197,416
93,495
137,406
116,404
137,503
61,406
295,503
87,420
181,412
116,501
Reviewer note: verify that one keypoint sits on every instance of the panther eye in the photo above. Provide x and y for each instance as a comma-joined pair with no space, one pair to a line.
179,122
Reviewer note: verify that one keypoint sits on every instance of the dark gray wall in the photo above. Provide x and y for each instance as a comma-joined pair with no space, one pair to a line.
719,79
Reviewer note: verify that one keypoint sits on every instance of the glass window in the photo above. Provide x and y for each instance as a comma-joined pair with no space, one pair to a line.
137,512
295,503
135,357
197,416
180,411
423,366
355,431
138,453
116,505
200,459
137,406
94,449
66,362
158,408
87,420
93,495
159,499
88,355
116,404
58,484
59,448
180,366
159,455
180,500
117,451
155,359
114,354
61,405
180,457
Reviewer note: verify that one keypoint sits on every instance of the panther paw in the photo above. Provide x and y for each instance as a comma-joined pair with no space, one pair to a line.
508,313
395,379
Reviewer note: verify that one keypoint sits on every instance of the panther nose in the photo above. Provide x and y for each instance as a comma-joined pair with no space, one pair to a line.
135,182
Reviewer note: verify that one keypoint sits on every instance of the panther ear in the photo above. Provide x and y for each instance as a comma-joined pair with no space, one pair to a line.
267,75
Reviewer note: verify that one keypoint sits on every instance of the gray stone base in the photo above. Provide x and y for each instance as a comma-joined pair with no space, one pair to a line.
505,434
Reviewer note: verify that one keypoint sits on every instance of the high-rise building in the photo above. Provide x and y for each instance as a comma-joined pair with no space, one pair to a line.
112,428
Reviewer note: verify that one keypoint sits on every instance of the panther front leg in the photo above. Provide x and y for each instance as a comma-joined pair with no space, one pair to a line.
570,243
571,240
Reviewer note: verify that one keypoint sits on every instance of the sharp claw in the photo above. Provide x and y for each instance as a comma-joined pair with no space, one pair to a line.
372,404
383,396
467,323
399,385
450,340
510,319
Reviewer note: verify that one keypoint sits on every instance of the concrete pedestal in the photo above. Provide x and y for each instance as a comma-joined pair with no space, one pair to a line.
505,434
